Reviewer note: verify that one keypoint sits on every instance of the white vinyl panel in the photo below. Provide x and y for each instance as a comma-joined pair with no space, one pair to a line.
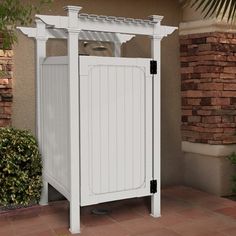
112,128
142,101
120,128
54,103
137,127
148,128
123,122
104,103
85,115
129,128
96,129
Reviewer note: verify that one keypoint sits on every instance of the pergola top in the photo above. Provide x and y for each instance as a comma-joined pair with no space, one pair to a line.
96,27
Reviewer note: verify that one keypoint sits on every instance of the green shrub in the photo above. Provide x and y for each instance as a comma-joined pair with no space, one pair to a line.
20,168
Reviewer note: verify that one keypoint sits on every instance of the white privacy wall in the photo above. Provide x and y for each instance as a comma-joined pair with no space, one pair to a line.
55,122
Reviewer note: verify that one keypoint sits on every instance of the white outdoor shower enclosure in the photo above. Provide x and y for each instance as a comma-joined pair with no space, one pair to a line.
98,118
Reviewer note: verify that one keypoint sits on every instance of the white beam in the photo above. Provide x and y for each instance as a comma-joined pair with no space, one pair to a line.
83,35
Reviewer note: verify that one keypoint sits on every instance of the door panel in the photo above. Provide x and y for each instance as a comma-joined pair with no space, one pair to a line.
116,118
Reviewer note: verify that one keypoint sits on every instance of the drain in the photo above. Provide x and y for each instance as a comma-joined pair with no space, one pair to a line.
100,211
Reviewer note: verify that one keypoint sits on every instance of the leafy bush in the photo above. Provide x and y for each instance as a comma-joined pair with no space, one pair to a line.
20,168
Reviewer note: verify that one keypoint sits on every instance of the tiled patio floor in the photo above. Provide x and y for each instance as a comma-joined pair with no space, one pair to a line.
185,212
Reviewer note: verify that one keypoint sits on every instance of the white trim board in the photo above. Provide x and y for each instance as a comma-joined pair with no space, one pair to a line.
206,26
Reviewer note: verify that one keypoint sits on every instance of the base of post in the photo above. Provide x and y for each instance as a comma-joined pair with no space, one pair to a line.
155,216
74,231
42,203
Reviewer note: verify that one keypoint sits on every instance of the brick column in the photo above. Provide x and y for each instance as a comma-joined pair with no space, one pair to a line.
6,75
208,76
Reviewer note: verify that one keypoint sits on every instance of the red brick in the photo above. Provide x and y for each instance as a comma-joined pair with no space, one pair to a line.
212,40
227,119
186,70
193,119
229,140
192,93
210,86
208,69
186,112
211,119
204,112
227,76
213,130
205,47
231,58
211,93
229,130
185,41
5,122
190,134
231,70
220,101
230,86
224,41
193,101
210,75
227,125
228,93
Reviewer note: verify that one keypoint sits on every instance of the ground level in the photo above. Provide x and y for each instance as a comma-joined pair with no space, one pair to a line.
185,212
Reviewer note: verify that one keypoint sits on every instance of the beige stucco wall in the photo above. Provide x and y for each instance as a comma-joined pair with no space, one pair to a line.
24,83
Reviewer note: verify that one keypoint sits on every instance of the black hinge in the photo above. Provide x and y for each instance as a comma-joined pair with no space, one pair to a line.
153,186
153,67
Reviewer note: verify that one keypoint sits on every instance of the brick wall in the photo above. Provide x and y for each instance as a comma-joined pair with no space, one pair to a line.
208,77
5,85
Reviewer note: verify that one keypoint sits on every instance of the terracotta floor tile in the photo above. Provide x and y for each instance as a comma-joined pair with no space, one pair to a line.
108,230
32,229
228,211
169,219
140,225
185,193
159,232
6,227
218,223
185,212
64,231
42,233
121,214
171,205
230,231
196,213
212,233
93,220
190,229
216,203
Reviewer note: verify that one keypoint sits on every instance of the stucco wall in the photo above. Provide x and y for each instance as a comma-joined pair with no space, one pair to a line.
24,84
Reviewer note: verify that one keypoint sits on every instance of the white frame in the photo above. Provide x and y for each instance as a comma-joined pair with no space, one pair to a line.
118,30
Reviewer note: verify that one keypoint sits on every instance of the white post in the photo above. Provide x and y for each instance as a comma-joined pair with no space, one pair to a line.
74,129
117,49
156,83
41,40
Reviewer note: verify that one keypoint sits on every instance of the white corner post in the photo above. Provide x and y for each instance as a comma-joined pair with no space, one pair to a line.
74,128
156,96
41,40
